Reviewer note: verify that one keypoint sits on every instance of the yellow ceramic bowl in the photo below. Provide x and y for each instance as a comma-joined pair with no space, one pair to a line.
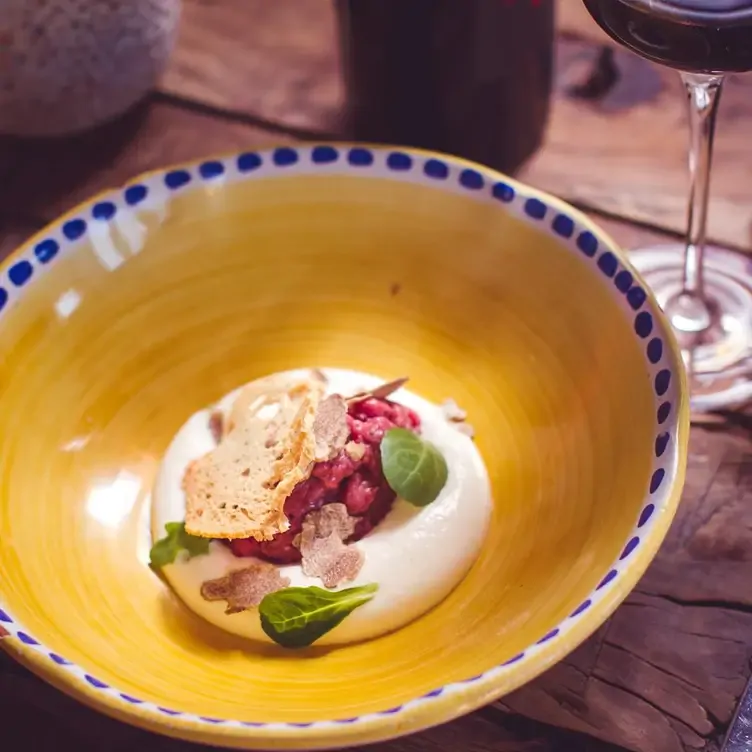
138,308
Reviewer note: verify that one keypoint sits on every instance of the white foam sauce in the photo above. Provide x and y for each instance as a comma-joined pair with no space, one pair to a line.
415,555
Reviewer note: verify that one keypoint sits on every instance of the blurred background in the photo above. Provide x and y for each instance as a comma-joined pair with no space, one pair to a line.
245,73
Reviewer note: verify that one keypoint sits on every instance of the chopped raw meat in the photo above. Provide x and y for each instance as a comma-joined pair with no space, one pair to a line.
352,477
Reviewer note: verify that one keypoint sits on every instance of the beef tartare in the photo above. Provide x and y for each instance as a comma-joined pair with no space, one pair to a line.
354,478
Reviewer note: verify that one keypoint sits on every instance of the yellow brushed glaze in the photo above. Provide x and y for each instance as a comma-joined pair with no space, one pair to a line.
267,275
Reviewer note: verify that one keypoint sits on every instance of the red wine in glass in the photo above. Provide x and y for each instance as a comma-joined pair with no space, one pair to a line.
700,36
707,296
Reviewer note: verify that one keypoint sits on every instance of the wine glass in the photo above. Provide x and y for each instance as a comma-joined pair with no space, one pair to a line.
706,296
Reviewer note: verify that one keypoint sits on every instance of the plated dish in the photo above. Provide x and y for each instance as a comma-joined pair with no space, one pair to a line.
126,324
319,505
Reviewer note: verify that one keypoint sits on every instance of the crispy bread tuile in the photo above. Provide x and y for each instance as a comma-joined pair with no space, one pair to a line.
238,490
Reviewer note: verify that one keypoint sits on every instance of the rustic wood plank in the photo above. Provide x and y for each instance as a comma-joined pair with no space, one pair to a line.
666,672
46,719
622,147
45,178
633,160
279,61
276,60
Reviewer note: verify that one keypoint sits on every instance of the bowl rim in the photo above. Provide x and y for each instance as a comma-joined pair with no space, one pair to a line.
454,700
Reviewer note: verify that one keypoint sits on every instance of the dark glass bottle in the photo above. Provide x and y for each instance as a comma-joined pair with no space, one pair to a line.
467,77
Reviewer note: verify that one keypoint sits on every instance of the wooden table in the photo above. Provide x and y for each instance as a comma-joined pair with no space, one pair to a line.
664,674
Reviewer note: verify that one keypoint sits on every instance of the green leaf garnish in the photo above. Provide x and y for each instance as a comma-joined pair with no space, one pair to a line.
414,468
165,550
298,616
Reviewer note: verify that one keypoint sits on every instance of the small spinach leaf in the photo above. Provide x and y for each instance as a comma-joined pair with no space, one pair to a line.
166,549
298,616
414,468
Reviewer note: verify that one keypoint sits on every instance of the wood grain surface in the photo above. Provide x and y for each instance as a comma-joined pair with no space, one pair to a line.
620,146
664,674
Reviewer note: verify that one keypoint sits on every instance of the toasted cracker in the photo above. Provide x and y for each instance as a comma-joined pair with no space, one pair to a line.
238,490
245,588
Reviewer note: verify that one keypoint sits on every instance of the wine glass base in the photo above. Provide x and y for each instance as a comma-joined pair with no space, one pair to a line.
718,359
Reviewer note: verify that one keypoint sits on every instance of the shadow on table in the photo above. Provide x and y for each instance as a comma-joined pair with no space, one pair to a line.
56,167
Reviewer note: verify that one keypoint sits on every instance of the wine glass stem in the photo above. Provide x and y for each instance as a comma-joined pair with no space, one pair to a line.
704,93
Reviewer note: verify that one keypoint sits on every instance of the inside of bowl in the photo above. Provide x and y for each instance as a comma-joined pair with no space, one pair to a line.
165,309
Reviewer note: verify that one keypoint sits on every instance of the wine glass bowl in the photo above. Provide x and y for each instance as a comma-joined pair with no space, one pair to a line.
708,301
696,36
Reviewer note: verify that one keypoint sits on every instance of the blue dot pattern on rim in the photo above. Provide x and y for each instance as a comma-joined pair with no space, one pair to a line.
662,382
434,692
646,514
550,636
657,479
664,411
177,179
535,208
73,229
608,578
360,157
284,156
391,711
503,192
623,281
629,548
471,179
324,155
135,194
643,324
396,162
655,350
661,442
587,243
248,162
212,169
563,225
19,274
636,297
399,161
436,169
581,608
46,250
103,211
607,263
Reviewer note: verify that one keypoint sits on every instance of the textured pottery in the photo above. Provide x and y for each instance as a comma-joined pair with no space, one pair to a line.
68,65
151,301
